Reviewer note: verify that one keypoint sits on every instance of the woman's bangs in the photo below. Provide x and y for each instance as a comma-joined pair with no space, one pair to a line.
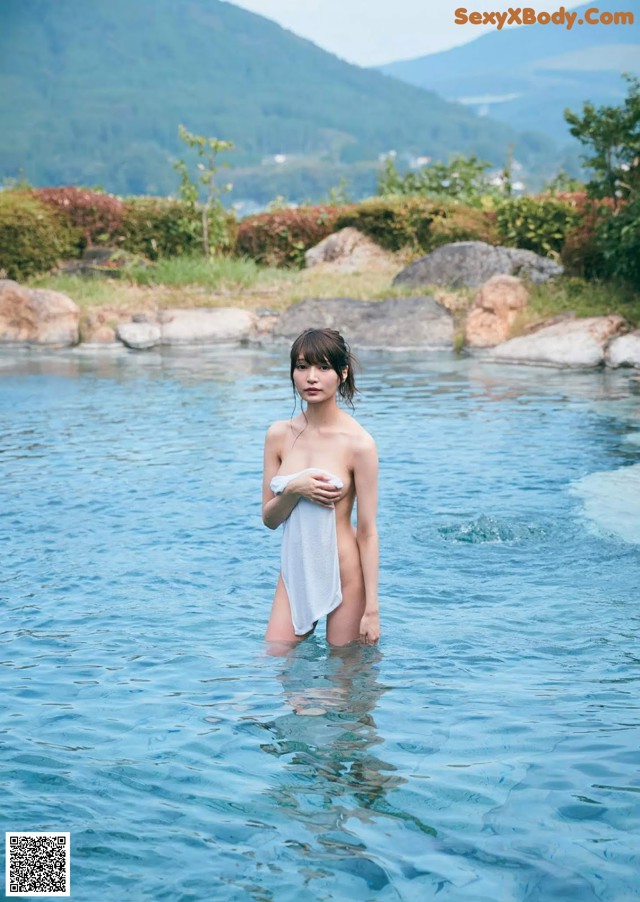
314,350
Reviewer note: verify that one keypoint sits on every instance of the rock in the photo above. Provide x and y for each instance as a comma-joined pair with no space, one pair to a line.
470,263
139,336
98,326
624,351
37,316
205,325
538,324
572,343
418,322
348,251
495,309
263,325
103,261
102,335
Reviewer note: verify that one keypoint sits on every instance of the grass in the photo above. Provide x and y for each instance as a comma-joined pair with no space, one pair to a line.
86,292
215,273
219,282
572,295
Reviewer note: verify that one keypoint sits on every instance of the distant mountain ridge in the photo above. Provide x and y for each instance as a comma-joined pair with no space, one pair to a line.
527,76
93,94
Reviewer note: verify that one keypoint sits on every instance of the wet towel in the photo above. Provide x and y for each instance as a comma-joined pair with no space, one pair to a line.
309,561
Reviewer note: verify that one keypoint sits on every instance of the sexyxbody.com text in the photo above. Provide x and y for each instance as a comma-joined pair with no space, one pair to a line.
526,15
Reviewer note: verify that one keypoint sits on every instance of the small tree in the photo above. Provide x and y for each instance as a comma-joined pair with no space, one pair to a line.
612,133
463,179
212,210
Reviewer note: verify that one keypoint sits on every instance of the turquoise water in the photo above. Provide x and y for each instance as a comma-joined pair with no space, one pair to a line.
488,749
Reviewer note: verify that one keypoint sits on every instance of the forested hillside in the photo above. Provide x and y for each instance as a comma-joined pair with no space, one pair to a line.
92,93
527,76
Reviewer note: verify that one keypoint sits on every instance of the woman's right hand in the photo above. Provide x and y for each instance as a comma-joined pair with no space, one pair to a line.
315,487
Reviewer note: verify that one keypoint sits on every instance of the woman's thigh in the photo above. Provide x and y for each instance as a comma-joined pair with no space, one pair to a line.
280,626
343,624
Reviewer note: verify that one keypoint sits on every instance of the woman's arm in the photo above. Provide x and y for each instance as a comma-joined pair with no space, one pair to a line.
315,487
275,508
365,472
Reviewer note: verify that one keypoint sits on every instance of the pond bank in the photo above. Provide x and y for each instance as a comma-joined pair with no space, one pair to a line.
562,323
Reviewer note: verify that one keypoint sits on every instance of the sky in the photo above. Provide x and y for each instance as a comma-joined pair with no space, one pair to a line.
372,32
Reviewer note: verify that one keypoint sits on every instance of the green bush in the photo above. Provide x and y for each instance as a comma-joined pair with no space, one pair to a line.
33,236
618,239
536,224
160,227
460,223
280,237
418,223
462,179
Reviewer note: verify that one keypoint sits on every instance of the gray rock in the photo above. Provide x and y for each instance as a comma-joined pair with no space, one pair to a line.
139,336
624,351
103,261
205,325
470,263
575,343
419,322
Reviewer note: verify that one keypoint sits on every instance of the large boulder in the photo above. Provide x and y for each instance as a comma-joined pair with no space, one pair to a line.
419,322
573,343
494,312
205,325
35,316
467,264
624,351
348,251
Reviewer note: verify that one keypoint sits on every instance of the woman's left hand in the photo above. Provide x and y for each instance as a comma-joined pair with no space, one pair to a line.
370,628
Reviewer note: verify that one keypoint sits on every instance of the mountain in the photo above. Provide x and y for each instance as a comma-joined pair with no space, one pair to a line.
526,76
92,93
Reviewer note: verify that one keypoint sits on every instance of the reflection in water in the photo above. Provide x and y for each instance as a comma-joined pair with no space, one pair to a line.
332,774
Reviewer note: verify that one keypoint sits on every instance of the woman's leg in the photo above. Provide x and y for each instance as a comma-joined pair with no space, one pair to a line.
280,626
343,624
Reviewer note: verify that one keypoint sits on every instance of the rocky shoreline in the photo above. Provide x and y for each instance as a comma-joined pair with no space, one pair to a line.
38,318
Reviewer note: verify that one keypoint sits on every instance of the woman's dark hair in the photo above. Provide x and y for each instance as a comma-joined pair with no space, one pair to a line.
326,347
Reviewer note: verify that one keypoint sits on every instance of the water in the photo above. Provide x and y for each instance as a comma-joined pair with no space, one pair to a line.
487,750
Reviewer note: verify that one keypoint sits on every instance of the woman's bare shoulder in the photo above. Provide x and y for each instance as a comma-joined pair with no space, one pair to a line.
276,429
280,429
362,441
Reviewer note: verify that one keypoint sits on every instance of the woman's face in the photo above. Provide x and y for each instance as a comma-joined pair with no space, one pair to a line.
315,381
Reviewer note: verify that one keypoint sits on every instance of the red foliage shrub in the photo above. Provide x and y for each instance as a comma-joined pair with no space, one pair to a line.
581,253
280,237
98,216
578,199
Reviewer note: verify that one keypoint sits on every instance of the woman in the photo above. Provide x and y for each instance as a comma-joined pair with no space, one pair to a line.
315,466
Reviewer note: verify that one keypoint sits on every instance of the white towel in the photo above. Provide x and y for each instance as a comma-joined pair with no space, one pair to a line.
309,561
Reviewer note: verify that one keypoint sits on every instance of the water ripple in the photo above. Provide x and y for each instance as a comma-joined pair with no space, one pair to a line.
486,750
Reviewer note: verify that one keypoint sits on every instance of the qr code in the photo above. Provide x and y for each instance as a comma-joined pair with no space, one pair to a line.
37,864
